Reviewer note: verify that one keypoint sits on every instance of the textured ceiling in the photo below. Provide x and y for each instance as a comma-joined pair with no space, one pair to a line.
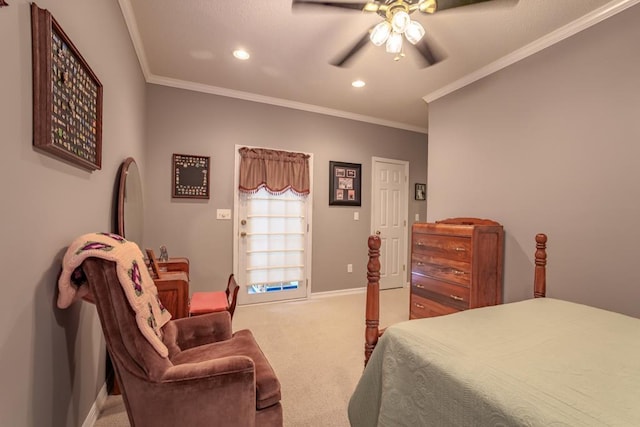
189,44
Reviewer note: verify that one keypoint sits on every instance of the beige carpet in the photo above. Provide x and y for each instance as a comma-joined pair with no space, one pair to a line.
316,348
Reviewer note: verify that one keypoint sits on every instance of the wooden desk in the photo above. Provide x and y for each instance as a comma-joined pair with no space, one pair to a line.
172,280
173,290
174,264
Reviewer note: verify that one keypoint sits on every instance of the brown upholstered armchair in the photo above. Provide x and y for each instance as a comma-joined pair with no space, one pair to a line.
211,376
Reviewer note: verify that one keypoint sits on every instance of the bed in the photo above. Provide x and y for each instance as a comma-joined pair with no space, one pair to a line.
538,362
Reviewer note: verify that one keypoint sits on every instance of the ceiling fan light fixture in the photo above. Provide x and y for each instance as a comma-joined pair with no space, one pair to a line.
400,21
371,7
394,43
428,6
380,33
414,32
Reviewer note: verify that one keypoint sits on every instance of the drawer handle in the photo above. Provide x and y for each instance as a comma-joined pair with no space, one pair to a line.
418,285
460,249
419,264
455,297
452,271
418,305
420,244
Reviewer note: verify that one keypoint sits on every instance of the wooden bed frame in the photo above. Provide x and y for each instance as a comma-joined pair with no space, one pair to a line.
372,320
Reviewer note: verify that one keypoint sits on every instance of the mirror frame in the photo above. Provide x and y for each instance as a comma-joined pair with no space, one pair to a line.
124,170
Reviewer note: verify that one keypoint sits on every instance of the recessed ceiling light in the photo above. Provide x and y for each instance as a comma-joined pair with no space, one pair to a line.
241,54
358,83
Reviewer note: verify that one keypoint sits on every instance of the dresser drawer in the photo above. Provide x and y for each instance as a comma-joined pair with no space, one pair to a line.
445,293
423,307
438,268
447,247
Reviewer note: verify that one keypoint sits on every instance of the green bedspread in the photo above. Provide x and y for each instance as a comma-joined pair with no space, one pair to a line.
540,362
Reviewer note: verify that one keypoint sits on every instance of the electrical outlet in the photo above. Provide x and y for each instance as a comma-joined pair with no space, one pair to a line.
349,268
356,216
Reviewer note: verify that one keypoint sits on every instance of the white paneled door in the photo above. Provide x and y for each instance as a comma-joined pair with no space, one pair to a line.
389,218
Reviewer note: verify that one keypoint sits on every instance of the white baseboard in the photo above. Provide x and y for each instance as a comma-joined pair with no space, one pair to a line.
342,292
327,294
94,412
314,295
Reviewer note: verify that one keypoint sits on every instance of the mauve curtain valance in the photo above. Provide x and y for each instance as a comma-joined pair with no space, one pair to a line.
275,171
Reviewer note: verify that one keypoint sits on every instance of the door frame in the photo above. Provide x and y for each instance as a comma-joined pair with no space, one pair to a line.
236,220
405,202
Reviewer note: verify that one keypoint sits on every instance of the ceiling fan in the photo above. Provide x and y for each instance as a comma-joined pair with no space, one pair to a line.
396,24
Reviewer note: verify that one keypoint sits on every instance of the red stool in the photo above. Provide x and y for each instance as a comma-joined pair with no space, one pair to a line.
209,302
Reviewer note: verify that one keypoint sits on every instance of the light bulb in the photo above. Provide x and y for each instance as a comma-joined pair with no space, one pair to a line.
414,32
380,33
400,21
241,54
394,43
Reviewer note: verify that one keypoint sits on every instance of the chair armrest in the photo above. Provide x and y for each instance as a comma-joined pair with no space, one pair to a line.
229,365
188,332
212,392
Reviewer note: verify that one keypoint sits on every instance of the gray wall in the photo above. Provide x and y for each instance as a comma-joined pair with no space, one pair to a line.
185,122
552,144
52,361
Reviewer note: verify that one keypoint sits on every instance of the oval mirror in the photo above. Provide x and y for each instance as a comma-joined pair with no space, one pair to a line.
130,206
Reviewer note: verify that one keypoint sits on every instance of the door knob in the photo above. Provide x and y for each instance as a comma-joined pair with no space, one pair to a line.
377,232
243,222
243,234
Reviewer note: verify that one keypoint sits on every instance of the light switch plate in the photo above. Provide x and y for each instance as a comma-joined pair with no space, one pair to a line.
223,214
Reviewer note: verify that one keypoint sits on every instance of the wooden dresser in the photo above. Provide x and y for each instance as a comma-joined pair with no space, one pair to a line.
456,264
172,281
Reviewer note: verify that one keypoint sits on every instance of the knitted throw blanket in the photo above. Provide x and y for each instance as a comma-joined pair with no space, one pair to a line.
133,274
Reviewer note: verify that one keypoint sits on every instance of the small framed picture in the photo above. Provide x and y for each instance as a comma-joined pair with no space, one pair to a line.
421,192
190,176
345,184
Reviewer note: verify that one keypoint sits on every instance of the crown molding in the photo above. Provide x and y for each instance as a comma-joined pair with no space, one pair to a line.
248,96
134,33
544,42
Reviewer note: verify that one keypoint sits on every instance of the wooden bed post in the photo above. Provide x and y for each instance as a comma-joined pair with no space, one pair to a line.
373,298
540,279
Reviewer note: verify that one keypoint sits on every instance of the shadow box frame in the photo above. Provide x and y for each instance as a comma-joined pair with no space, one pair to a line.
420,192
186,183
345,184
67,96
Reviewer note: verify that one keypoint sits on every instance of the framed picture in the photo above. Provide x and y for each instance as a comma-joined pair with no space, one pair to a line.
190,176
421,192
67,96
345,184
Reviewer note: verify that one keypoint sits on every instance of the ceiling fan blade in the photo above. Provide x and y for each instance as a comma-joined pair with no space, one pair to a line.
305,3
342,60
429,53
450,4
